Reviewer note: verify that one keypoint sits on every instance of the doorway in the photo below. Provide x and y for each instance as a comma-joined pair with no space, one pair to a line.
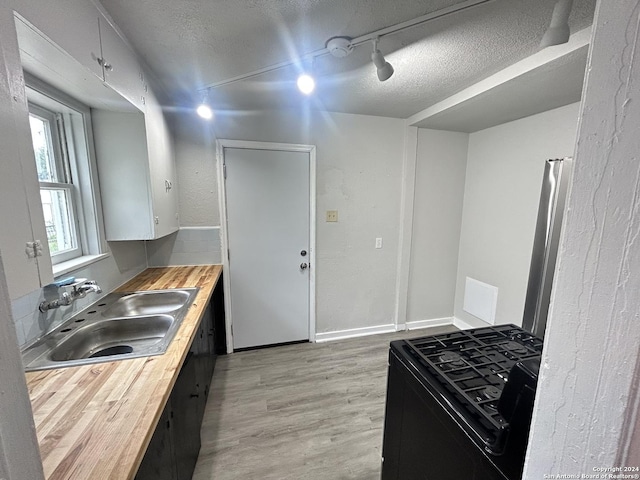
267,202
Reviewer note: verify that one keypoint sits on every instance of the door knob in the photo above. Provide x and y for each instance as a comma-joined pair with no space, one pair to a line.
303,266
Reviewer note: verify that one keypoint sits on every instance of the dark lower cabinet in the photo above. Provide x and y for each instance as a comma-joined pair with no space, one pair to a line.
203,363
158,463
186,420
173,450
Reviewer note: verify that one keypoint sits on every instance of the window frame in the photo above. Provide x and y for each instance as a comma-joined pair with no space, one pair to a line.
65,181
74,119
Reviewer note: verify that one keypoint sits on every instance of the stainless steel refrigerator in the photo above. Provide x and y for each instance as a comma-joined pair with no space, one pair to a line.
555,184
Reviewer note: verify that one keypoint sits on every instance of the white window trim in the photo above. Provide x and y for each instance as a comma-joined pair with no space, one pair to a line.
69,266
84,169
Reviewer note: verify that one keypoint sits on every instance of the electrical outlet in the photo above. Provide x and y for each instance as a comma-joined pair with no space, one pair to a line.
379,242
332,215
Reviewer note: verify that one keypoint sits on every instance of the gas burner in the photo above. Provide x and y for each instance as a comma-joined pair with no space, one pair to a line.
452,359
515,347
490,392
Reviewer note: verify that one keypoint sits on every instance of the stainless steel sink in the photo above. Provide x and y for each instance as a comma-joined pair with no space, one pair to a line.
118,326
112,336
147,303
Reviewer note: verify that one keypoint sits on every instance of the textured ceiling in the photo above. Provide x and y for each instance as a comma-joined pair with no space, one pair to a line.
549,86
192,43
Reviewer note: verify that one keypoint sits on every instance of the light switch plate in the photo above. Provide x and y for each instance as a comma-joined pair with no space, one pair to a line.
332,215
379,242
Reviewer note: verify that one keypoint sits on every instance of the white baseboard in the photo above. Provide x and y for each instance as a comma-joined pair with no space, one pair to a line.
354,332
390,328
433,322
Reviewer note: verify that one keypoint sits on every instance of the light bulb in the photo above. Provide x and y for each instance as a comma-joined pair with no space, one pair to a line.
205,111
306,83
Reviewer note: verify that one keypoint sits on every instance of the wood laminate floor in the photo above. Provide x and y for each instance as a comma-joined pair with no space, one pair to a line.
305,411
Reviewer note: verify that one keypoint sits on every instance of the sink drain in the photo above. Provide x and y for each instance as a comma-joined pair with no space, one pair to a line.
117,350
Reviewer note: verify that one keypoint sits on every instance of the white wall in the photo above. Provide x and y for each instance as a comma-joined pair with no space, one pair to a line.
505,165
439,191
195,153
359,163
125,261
187,246
587,402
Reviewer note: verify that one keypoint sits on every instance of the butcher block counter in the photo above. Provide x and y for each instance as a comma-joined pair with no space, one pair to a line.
95,421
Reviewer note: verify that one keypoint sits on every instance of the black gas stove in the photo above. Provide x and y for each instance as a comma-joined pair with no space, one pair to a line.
459,404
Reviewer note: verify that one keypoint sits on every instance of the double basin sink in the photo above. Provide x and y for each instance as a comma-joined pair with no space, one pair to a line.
118,326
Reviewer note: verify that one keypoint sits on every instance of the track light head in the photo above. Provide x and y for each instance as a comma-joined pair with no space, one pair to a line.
384,68
555,36
204,109
558,31
306,84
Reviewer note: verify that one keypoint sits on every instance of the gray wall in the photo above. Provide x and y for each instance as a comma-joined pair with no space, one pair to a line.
126,260
359,167
195,153
504,176
439,190
187,246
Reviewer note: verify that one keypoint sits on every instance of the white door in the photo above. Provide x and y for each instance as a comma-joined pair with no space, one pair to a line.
267,199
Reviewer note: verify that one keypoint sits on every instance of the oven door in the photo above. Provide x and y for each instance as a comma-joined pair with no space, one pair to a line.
422,441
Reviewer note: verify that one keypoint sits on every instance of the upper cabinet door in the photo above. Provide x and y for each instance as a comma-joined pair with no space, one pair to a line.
162,169
122,71
70,24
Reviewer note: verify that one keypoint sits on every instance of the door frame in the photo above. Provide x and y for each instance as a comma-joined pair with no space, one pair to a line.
221,144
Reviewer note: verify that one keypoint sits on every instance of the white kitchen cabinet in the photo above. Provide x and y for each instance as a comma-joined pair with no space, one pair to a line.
79,29
135,166
134,150
71,24
163,170
122,71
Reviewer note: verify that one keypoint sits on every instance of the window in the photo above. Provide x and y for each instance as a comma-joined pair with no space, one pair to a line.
56,185
60,133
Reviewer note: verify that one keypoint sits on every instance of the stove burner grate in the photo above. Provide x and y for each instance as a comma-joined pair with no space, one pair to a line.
452,359
473,365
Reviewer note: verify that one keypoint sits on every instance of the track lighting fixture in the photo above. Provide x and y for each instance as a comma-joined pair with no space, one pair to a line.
558,31
384,68
341,47
204,109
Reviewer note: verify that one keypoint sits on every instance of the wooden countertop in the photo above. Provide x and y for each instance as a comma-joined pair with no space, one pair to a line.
95,421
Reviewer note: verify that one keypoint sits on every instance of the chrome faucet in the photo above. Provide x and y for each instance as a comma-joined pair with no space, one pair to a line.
79,290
